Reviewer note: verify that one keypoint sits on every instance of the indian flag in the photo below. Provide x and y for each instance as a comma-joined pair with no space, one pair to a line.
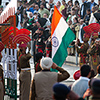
62,36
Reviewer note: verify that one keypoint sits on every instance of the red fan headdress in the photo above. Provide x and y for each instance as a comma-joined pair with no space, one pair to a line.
95,27
21,38
88,30
1,46
23,31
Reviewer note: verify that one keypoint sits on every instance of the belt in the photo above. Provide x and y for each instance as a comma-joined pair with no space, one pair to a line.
25,70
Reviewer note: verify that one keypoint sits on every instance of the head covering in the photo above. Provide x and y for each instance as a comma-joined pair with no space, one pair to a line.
1,46
42,21
46,63
86,36
60,90
88,30
22,45
77,75
95,35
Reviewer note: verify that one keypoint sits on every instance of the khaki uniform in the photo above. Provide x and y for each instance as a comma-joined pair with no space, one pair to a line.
43,82
1,84
94,58
82,51
25,76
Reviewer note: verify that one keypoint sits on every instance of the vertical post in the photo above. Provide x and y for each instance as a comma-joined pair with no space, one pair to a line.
76,54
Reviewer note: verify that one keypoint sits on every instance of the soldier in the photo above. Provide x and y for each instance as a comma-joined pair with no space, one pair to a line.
25,74
40,42
1,80
48,47
38,57
82,51
1,74
94,52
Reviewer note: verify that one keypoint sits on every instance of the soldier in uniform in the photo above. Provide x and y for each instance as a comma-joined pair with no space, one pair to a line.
48,47
40,42
38,57
1,74
1,81
25,74
82,50
94,52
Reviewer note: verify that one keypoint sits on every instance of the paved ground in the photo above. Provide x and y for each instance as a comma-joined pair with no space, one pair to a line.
71,68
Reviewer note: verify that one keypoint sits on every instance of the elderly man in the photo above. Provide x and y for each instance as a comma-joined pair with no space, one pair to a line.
44,80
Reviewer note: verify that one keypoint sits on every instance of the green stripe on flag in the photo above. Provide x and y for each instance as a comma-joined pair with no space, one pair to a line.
62,53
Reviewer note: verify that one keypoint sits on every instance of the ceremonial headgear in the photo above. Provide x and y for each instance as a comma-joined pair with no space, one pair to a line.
77,75
95,35
1,48
86,36
22,45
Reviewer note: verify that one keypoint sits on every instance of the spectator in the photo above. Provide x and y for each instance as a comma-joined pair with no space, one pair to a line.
62,92
95,89
36,8
50,4
84,7
93,93
91,4
58,4
31,8
98,4
81,85
72,15
25,20
19,19
98,72
70,5
81,31
43,10
44,2
76,7
47,79
20,7
92,18
97,16
65,12
87,16
62,6
38,2
30,21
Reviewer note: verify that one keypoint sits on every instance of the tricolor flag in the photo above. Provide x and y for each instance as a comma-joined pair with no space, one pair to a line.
62,36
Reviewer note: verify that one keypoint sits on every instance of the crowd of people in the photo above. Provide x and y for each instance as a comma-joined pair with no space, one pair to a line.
36,16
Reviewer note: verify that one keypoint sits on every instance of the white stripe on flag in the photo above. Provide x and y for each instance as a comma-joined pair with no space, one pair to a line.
59,33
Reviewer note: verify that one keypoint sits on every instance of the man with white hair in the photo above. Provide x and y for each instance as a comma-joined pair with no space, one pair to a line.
44,80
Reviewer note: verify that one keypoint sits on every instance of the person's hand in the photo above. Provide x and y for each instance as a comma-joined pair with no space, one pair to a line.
54,66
